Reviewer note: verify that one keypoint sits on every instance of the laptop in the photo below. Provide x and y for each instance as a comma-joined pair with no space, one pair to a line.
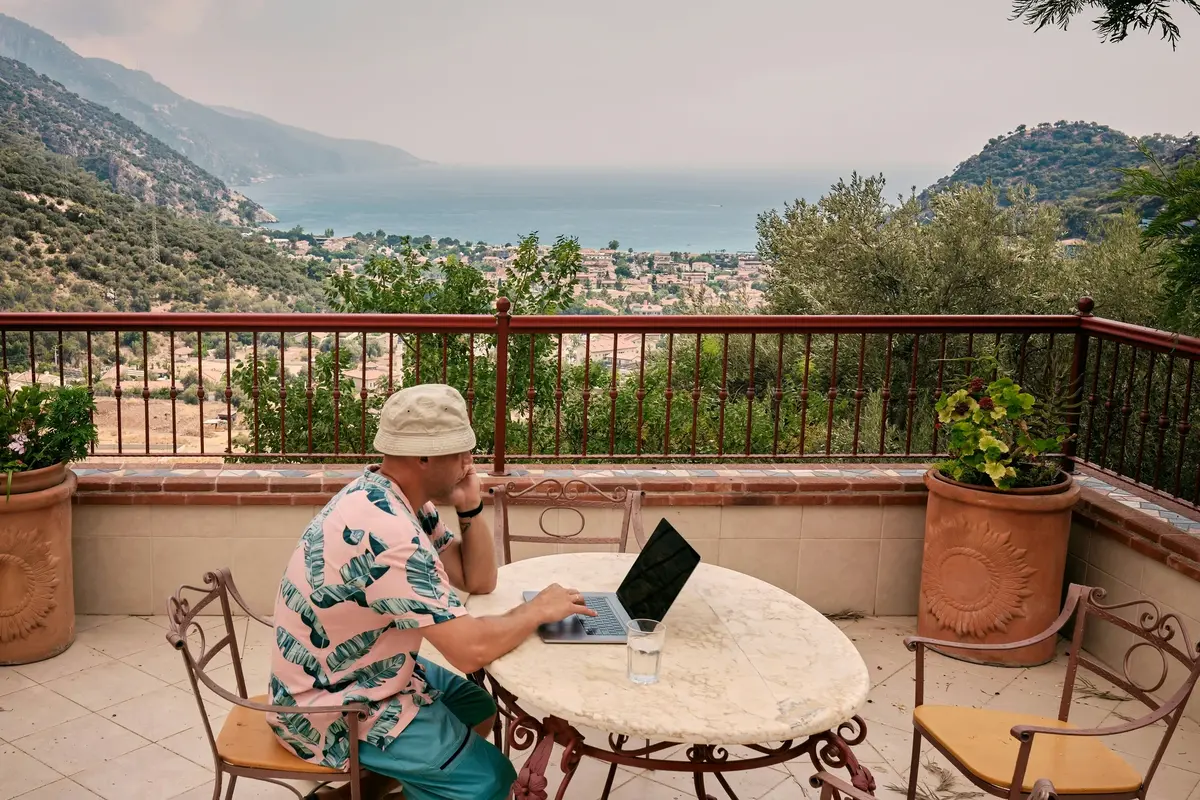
648,591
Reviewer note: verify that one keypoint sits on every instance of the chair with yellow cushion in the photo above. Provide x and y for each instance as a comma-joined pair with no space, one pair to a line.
245,746
1020,756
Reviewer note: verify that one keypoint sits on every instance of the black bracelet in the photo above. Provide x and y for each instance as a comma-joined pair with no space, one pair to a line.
469,514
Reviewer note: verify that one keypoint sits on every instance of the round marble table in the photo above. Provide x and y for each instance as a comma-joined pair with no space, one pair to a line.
744,663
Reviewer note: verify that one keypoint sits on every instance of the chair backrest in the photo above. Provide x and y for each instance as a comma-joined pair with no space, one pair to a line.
572,495
189,637
1160,637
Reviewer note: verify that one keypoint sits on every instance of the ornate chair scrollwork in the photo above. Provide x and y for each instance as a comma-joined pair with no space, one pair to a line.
1024,756
245,746
571,495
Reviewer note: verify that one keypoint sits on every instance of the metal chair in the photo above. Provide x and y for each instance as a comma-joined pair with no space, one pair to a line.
1005,753
572,495
245,746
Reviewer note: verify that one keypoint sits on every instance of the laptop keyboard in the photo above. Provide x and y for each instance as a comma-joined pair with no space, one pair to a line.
605,623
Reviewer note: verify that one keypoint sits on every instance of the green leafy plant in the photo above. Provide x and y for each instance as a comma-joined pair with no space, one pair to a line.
41,427
998,434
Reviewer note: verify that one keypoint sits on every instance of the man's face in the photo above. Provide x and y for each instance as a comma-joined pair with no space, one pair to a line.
443,473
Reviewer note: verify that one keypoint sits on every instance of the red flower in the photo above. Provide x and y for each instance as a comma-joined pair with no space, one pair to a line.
987,403
962,408
976,385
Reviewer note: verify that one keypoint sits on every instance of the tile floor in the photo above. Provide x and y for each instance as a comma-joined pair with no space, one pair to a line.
114,718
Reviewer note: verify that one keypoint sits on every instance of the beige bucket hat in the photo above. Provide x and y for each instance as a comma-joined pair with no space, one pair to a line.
425,420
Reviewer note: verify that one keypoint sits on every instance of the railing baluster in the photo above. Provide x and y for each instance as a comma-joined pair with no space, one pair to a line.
912,395
417,359
724,394
1164,421
1091,425
750,395
696,393
392,361
587,387
500,430
1109,404
337,388
937,394
445,356
641,392
1021,357
117,394
778,397
61,379
308,391
531,393
200,383
33,378
558,398
362,398
831,397
669,393
90,383
470,375
1144,416
145,384
612,401
1127,408
174,392
858,391
229,396
254,392
886,394
804,392
4,361
283,394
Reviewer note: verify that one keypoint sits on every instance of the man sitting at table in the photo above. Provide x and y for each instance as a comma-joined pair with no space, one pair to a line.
374,574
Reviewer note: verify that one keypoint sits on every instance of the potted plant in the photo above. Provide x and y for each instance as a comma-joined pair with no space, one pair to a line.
997,522
41,431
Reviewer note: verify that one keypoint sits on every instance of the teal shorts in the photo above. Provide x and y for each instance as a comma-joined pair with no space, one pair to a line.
438,756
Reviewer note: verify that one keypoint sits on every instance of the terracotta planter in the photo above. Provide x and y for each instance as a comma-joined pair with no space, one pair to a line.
37,595
993,566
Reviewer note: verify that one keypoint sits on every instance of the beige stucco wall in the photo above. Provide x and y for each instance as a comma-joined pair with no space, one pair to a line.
129,559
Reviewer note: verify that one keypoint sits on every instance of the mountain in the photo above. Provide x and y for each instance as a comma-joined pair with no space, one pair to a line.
1071,163
237,146
114,149
69,242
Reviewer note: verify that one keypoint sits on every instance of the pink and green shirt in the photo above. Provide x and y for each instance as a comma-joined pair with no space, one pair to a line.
363,581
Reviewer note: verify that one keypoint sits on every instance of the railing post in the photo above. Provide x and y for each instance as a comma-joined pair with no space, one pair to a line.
501,427
1079,356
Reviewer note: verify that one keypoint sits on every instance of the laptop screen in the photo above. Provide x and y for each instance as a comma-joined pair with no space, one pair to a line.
658,575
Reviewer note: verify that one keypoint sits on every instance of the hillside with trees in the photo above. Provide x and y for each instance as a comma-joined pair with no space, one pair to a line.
1075,164
113,149
235,145
70,243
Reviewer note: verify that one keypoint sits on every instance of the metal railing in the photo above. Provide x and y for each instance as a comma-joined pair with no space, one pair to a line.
296,387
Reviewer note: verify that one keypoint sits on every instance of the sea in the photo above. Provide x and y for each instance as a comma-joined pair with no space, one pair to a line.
704,210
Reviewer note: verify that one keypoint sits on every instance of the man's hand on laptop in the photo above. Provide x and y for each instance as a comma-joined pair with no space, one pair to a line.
555,603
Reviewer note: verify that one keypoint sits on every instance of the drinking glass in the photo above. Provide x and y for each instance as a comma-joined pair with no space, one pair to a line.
645,645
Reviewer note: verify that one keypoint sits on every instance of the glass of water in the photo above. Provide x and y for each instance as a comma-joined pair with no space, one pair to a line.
645,645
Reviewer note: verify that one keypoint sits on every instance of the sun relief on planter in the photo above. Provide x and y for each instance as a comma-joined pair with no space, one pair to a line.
997,521
28,579
979,584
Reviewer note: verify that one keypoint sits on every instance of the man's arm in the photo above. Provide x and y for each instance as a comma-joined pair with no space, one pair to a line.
470,560
471,643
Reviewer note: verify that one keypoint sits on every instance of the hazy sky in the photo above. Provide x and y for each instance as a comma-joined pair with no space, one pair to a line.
869,84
